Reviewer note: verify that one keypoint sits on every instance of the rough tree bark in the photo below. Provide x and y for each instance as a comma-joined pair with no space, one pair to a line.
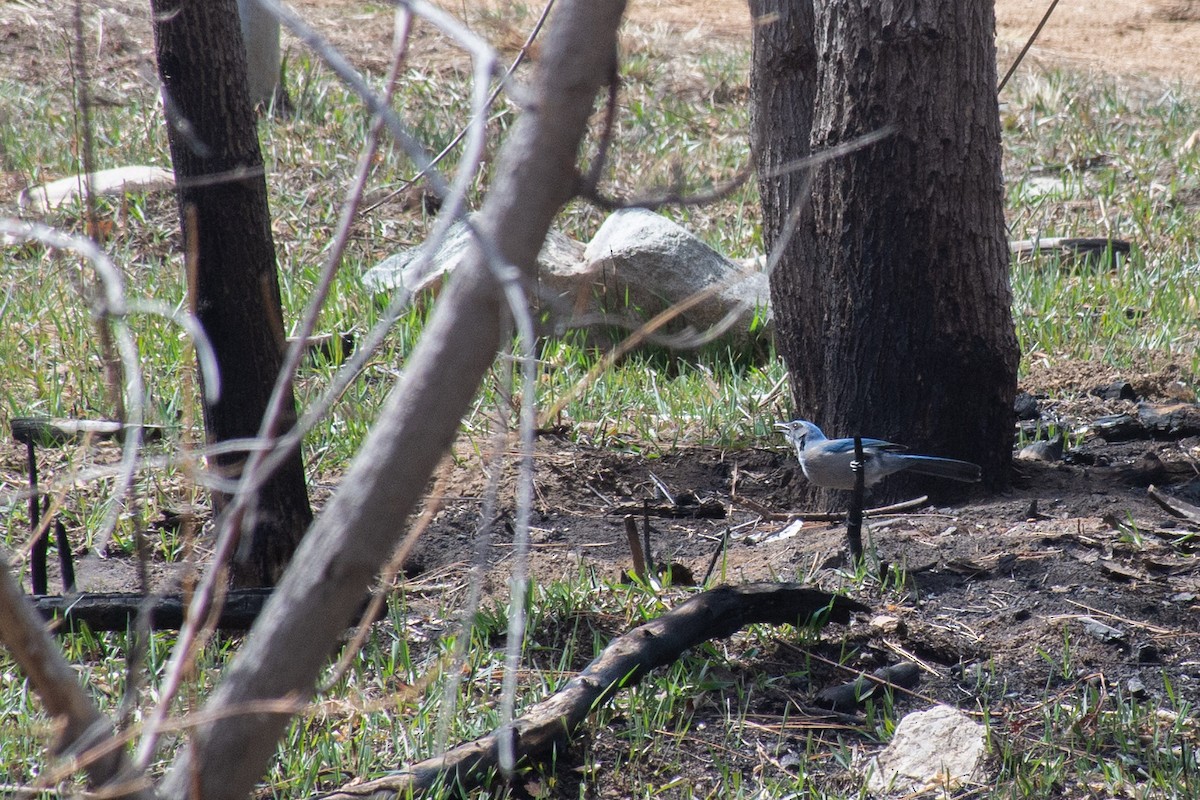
783,85
232,278
358,529
894,318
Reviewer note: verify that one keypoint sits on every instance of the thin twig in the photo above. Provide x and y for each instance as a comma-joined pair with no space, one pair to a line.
522,54
722,543
109,305
479,568
650,327
400,40
592,181
828,516
1032,38
386,580
622,664
676,197
451,209
259,465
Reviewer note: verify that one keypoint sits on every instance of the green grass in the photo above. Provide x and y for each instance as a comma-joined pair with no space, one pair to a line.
1117,157
683,125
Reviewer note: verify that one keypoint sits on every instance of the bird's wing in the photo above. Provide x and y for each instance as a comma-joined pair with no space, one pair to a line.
847,445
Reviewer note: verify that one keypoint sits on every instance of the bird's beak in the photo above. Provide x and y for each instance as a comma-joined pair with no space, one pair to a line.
782,426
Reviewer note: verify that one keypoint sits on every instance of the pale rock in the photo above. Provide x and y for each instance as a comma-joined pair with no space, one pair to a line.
560,267
650,263
638,264
941,749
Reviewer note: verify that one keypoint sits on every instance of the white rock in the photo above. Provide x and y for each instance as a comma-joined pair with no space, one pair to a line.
638,264
941,748
47,196
560,264
650,263
1036,187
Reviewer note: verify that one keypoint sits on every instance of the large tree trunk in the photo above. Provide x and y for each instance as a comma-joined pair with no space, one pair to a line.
894,318
222,195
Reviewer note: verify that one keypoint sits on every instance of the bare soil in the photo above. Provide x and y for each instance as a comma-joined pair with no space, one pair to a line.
992,579
1143,38
1000,581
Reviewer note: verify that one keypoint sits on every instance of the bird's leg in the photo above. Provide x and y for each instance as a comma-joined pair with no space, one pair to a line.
854,519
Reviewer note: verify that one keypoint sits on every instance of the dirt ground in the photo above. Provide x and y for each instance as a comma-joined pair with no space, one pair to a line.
992,579
995,580
1144,38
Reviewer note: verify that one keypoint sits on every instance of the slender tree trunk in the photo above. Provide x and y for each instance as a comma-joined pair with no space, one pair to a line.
895,317
232,278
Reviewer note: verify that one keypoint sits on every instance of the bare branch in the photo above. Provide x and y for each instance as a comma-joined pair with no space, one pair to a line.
256,470
550,723
606,133
83,726
522,54
358,529
671,197
677,197
108,305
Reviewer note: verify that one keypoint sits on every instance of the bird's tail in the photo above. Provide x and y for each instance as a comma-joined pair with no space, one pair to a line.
945,468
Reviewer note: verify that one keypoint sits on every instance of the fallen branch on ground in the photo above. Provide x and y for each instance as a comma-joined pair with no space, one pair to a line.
714,614
117,611
828,516
1068,246
1179,508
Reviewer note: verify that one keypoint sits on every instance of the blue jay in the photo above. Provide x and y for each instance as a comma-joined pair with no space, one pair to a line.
826,462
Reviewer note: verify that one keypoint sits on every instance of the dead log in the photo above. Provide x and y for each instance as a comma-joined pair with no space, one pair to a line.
118,611
1175,506
1171,421
549,724
54,432
1068,246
